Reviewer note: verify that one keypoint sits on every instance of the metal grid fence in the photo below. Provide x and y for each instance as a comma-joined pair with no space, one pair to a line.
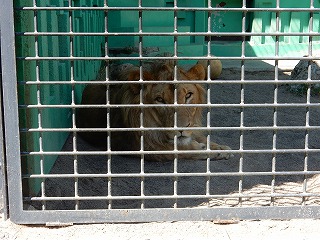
54,176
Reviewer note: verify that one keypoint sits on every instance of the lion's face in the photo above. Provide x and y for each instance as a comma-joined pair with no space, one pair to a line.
180,94
164,116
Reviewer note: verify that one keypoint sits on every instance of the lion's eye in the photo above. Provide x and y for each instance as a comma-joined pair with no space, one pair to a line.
160,100
188,95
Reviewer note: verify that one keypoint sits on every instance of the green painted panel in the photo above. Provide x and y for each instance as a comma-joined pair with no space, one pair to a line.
53,70
158,21
26,70
223,21
289,21
265,22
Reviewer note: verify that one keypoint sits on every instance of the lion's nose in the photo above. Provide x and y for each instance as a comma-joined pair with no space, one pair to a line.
181,131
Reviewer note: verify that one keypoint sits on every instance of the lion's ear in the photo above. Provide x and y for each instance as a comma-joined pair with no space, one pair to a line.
202,93
134,75
197,72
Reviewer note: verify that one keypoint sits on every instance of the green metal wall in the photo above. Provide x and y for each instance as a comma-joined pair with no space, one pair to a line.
265,22
158,21
222,21
53,70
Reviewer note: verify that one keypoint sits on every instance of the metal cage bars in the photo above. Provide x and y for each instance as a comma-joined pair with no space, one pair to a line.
150,214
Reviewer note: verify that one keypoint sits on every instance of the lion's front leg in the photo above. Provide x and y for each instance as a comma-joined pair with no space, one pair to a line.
200,142
195,145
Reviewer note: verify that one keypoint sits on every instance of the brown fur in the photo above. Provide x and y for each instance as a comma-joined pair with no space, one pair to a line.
150,117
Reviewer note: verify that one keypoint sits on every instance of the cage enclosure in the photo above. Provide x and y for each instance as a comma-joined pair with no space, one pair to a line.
64,46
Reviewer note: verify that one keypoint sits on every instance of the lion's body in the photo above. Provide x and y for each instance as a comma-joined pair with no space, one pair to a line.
154,114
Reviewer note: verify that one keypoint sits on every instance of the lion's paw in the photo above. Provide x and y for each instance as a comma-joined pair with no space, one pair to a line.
202,146
221,155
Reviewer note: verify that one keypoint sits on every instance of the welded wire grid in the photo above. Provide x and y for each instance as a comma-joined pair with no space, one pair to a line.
267,195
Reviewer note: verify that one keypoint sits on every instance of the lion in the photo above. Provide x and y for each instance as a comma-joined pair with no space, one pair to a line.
160,116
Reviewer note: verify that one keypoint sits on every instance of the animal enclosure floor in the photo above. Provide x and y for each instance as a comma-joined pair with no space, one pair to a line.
257,139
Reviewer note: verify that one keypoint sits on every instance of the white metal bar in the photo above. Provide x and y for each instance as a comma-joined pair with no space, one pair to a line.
255,151
171,9
178,174
39,102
